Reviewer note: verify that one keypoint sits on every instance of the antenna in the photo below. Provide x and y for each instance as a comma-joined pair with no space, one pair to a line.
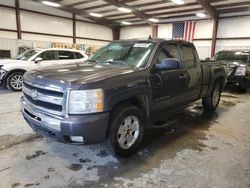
150,37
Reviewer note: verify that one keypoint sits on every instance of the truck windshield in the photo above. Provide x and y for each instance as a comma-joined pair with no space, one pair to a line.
232,56
132,54
26,55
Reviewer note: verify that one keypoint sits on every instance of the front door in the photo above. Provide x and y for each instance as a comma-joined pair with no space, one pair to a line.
49,58
174,81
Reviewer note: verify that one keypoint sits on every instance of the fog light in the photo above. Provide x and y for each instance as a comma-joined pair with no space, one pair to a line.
76,139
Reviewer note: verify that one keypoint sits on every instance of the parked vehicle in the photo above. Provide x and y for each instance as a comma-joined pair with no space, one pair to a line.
237,64
117,90
12,70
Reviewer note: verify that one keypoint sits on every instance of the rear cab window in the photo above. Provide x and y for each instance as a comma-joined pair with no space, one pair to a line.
188,56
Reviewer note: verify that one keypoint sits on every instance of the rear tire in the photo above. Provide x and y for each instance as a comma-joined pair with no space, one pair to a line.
212,100
14,81
126,130
243,90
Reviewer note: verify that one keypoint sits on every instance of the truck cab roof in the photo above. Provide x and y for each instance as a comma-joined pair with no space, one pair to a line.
156,40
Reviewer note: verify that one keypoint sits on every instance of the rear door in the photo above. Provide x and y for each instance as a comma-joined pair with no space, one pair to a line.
65,56
194,71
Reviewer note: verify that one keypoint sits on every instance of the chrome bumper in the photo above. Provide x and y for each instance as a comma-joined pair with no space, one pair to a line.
92,128
40,117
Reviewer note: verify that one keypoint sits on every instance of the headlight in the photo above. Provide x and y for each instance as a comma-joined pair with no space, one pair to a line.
240,71
86,101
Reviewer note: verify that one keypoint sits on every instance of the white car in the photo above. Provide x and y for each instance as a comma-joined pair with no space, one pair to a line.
12,70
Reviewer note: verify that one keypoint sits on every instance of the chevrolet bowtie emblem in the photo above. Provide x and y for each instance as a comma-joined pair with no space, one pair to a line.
34,94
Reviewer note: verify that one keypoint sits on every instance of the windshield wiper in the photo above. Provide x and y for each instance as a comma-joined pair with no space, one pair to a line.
117,62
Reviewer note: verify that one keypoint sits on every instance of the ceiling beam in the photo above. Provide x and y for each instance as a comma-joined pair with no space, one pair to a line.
231,10
226,9
96,7
101,21
135,11
81,3
208,8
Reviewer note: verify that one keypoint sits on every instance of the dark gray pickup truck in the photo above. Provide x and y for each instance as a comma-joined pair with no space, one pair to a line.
237,64
117,90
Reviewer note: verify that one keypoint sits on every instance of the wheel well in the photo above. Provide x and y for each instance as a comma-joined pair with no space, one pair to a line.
140,101
220,80
16,70
10,72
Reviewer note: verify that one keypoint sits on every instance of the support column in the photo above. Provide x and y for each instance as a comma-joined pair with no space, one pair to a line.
116,33
154,31
74,28
18,22
214,37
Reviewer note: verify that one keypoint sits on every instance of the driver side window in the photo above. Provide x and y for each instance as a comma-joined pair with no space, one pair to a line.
169,51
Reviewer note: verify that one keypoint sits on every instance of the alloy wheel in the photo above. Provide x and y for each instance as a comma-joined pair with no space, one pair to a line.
128,132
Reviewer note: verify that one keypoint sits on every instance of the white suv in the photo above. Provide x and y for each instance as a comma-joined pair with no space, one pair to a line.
12,70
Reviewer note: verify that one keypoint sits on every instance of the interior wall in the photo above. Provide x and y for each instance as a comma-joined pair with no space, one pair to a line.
227,28
165,31
90,30
231,28
135,32
42,30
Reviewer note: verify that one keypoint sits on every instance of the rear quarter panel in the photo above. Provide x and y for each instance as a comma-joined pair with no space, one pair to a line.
211,72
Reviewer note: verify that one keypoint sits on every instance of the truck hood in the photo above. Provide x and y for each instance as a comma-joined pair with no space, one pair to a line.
231,64
75,75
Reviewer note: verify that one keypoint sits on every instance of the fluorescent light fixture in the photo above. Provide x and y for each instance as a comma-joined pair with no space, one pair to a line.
153,20
95,15
122,9
201,15
52,4
126,23
179,2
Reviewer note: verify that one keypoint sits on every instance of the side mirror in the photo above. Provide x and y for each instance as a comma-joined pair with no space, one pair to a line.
38,60
168,64
207,59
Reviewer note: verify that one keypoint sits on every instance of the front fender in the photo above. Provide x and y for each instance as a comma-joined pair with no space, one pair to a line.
142,92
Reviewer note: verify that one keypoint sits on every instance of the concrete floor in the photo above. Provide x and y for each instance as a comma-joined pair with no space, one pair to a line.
195,150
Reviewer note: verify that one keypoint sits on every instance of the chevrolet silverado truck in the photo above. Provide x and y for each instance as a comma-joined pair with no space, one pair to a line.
12,70
237,64
114,93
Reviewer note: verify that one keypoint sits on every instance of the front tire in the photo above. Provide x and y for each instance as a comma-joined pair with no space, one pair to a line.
243,89
212,100
15,81
126,130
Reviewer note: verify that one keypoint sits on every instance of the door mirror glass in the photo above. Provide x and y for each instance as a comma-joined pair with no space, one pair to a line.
38,60
168,64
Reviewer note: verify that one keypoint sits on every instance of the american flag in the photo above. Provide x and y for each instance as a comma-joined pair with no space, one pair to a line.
184,30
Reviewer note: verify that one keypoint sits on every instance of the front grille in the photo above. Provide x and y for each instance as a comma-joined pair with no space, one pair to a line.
44,91
43,98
